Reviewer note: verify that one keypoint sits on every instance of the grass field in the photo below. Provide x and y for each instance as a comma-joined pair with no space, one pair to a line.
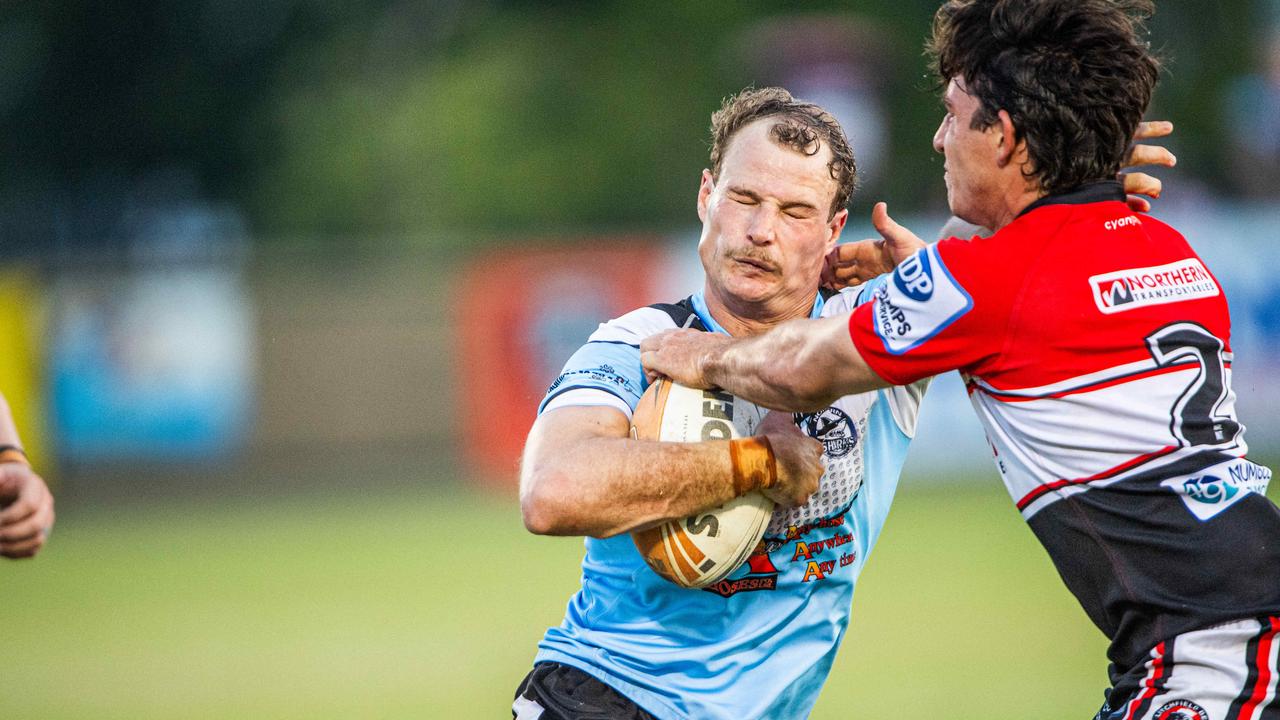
428,603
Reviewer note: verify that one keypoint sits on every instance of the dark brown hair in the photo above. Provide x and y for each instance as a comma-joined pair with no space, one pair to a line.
801,126
1075,77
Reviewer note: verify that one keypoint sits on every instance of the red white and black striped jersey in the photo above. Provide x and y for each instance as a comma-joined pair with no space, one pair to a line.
1095,347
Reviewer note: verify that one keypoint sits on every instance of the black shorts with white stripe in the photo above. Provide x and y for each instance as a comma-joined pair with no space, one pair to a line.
552,691
1223,672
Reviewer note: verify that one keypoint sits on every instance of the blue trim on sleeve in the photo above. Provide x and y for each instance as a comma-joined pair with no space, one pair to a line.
614,342
563,390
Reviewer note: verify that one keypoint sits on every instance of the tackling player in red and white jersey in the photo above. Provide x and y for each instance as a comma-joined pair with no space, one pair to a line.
1095,345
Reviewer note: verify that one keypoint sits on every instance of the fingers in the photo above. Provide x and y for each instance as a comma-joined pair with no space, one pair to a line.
27,516
1138,204
679,355
655,341
800,468
777,421
1150,155
856,262
827,277
1153,129
846,265
1137,183
900,243
884,224
649,348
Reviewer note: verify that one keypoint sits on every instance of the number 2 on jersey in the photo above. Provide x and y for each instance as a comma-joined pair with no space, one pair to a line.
1194,421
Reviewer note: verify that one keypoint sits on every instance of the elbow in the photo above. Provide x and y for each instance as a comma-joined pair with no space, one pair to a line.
536,518
543,505
539,515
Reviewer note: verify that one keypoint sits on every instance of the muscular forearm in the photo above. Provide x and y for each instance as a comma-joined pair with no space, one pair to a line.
606,486
799,366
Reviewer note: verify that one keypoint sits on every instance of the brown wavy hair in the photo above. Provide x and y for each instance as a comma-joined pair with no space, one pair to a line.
1075,76
802,126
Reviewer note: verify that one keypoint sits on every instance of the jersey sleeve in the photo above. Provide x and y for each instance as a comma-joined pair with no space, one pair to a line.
850,297
942,309
903,400
598,374
607,370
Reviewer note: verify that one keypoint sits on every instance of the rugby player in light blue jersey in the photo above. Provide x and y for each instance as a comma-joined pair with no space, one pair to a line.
760,643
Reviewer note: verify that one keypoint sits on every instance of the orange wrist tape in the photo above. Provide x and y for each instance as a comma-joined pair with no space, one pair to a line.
13,453
754,466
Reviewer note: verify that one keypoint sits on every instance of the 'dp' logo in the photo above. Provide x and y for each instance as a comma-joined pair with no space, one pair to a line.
914,277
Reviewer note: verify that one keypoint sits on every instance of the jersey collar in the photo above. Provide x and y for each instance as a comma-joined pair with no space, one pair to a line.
1100,191
700,307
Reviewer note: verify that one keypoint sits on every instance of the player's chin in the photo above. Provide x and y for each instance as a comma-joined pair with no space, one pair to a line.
751,287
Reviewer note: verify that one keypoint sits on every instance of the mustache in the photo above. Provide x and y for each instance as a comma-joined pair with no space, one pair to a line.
757,258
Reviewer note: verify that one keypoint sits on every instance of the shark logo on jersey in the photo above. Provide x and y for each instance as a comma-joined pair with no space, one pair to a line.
921,302
1217,488
832,428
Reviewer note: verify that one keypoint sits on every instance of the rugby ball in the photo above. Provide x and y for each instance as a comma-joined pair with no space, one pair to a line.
705,548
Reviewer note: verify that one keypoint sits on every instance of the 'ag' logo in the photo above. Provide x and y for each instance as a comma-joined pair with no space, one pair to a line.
914,277
1209,489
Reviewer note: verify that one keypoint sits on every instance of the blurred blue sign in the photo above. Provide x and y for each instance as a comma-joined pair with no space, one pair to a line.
153,364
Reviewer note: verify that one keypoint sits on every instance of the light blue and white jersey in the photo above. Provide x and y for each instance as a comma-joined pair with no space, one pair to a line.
760,643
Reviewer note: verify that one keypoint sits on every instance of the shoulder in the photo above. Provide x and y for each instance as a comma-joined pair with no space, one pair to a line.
631,328
838,303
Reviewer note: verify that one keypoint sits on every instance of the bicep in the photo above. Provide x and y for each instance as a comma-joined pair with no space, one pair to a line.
557,431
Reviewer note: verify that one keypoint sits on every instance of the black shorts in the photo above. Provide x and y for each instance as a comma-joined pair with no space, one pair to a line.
1223,672
552,691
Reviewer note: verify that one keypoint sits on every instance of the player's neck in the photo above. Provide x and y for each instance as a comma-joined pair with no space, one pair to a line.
743,319
1014,201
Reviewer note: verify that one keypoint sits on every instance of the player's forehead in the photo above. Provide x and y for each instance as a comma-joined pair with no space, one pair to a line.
956,96
755,159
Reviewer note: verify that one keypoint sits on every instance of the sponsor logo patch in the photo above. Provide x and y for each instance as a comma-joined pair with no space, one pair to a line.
920,302
1215,489
1142,287
832,427
1180,710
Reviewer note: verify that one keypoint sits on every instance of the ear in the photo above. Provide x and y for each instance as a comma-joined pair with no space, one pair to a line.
1010,149
707,185
836,226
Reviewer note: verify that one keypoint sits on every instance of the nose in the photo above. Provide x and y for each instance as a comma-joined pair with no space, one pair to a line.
937,136
762,230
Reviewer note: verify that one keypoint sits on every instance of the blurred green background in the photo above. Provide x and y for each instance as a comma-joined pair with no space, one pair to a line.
429,601
247,248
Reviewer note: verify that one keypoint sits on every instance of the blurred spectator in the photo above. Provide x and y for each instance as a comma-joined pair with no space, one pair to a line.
1253,114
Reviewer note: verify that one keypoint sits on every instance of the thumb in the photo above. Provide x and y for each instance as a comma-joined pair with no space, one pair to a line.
888,228
900,241
9,488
